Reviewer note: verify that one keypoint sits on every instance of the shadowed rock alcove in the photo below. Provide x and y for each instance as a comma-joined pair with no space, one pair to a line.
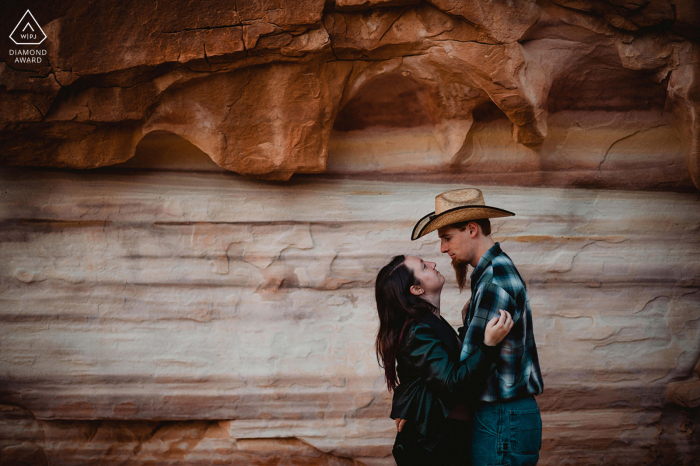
162,150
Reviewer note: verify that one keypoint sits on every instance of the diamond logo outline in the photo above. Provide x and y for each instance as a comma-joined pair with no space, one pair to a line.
21,21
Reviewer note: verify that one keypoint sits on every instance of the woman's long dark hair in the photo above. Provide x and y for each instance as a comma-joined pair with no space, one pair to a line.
397,307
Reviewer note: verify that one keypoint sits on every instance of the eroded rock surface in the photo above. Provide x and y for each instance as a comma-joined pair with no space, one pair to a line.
26,441
258,86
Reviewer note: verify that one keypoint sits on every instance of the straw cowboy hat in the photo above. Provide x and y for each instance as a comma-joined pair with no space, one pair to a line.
460,205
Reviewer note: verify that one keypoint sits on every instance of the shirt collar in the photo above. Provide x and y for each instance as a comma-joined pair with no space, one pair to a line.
484,262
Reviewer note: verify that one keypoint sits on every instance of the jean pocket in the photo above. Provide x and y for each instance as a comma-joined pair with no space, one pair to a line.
526,431
482,424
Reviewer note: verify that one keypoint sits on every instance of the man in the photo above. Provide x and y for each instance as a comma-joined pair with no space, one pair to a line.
507,428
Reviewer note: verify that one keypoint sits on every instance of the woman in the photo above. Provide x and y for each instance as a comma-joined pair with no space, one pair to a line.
417,347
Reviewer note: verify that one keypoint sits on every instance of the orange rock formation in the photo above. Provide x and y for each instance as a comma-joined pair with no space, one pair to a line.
258,86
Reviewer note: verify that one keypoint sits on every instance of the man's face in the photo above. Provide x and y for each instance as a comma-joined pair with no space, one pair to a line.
457,244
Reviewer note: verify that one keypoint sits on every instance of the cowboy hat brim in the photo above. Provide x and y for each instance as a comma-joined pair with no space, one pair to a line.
432,222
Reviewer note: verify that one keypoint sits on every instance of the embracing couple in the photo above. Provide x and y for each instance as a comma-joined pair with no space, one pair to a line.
462,398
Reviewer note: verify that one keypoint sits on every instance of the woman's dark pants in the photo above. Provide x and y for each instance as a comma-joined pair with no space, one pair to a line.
507,433
451,450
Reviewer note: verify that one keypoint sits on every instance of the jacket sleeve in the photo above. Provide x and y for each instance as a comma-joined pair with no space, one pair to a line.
451,380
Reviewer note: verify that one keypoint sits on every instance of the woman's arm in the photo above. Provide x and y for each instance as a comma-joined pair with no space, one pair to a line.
450,380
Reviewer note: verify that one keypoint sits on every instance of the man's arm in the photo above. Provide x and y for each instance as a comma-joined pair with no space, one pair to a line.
487,303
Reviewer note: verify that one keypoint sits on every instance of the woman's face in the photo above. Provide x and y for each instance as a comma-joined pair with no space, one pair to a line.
430,279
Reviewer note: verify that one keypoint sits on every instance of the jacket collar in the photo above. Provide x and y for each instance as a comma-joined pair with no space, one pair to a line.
444,330
484,263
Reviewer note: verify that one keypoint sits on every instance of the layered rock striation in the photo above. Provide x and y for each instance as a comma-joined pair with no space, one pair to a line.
214,309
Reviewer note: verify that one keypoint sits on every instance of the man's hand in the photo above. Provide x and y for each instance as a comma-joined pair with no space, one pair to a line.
465,309
400,423
498,328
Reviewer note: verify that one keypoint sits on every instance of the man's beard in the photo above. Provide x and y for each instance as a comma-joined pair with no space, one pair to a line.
460,272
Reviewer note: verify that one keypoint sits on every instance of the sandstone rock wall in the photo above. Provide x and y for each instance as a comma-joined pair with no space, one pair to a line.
151,295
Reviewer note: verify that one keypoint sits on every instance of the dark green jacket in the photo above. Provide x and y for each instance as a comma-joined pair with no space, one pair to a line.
432,380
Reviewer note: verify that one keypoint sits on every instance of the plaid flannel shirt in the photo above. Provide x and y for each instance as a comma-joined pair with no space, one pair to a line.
496,284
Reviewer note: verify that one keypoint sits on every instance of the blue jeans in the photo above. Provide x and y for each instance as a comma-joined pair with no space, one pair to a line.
507,433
